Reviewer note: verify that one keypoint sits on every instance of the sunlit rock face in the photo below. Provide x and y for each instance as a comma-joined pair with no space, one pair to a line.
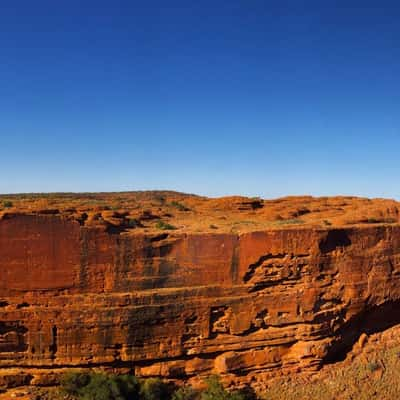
179,305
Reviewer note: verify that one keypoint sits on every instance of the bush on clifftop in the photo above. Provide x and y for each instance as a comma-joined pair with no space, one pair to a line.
7,204
164,226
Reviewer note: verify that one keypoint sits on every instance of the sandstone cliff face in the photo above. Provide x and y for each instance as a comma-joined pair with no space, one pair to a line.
181,305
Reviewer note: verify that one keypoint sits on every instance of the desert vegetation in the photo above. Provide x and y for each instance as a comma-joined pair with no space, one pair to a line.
164,226
179,206
373,373
102,386
7,204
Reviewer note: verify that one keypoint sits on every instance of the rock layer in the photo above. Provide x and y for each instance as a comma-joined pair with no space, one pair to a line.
183,305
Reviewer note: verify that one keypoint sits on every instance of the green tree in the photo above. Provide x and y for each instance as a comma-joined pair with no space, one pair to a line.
215,391
154,389
185,393
99,386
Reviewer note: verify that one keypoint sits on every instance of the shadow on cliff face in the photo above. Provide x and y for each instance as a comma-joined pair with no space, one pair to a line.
12,337
373,320
335,238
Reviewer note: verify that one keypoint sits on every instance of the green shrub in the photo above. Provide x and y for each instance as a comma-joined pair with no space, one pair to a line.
128,386
154,389
248,393
72,382
102,386
372,366
164,226
7,204
179,206
99,386
215,391
185,393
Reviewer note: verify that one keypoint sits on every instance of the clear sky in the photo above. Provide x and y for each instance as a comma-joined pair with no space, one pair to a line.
214,97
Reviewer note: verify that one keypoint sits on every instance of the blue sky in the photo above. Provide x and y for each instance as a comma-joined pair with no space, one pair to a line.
219,97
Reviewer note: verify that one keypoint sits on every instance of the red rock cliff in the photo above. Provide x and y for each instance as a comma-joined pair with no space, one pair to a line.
180,305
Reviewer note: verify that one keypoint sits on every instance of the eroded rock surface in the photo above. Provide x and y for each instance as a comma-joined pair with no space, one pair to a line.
182,305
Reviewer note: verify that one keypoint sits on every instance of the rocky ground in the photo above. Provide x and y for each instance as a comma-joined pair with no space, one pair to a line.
370,371
155,210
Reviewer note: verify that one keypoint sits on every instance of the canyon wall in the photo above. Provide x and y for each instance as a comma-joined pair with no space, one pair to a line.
247,306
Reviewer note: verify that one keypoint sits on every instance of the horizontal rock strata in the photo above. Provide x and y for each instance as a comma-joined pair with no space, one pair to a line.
247,306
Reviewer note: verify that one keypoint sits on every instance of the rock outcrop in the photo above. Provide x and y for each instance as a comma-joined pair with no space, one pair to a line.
182,305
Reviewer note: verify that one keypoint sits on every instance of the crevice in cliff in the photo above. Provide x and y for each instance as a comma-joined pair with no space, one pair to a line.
334,239
252,267
276,269
373,320
235,262
24,304
158,238
53,346
115,229
82,218
84,256
12,337
219,320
